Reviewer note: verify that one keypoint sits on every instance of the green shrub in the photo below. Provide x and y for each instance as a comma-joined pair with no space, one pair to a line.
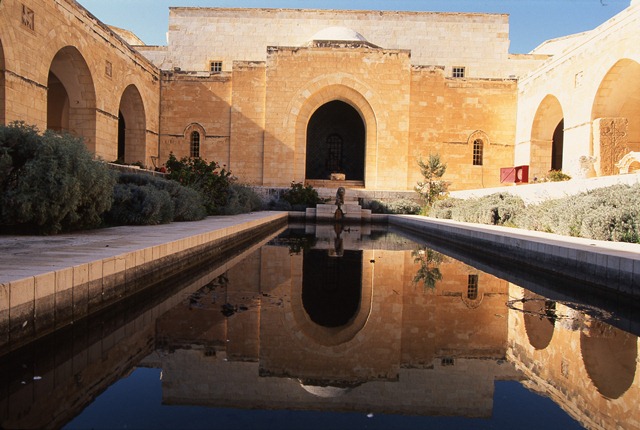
139,205
187,202
301,197
495,209
242,199
50,182
432,188
400,206
211,181
556,176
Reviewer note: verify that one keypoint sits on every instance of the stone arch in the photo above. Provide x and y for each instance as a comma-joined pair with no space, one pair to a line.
335,142
326,335
2,86
616,116
132,120
189,135
610,358
547,137
327,89
71,96
539,319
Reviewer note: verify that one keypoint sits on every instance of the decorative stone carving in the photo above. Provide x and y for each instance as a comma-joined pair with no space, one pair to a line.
629,163
610,144
585,166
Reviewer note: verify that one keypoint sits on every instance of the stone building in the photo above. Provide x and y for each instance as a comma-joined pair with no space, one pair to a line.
298,95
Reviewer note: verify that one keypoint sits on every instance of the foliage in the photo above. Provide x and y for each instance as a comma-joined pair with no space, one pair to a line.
433,187
556,176
495,209
429,267
186,203
400,206
139,205
301,197
242,199
211,181
50,182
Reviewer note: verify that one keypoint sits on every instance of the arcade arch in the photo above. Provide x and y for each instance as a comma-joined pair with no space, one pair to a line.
2,86
335,142
71,96
539,319
616,116
131,127
547,137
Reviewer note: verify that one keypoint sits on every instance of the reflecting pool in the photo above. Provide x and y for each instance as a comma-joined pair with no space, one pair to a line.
331,327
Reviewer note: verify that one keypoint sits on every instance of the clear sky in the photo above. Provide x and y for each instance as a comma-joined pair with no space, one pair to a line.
531,21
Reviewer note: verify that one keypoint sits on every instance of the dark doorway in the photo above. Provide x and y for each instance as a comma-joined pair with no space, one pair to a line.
331,286
122,127
556,146
335,142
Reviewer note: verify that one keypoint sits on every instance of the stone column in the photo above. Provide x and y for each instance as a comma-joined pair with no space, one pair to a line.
610,144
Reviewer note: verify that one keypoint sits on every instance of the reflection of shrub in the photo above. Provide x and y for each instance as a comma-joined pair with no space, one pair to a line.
50,182
400,206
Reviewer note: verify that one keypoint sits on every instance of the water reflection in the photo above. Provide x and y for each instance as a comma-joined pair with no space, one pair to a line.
291,326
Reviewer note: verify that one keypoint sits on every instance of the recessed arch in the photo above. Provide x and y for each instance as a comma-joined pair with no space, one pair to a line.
194,138
335,142
326,90
610,358
71,96
617,105
547,137
131,119
2,87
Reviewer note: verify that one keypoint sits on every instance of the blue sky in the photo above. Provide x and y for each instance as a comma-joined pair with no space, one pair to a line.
531,21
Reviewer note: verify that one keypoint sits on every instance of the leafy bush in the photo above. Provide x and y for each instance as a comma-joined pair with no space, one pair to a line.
556,176
49,182
301,197
495,209
401,206
187,202
242,199
139,205
433,187
211,181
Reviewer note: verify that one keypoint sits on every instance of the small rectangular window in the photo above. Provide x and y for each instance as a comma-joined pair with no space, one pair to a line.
478,145
458,72
472,287
215,66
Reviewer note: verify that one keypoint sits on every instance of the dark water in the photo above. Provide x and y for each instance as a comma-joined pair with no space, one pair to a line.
329,328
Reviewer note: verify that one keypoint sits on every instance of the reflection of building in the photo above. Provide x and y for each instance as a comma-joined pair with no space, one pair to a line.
587,367
293,95
402,348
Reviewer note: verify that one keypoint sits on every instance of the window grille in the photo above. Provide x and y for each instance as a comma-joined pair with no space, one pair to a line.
458,72
478,145
472,287
215,66
195,145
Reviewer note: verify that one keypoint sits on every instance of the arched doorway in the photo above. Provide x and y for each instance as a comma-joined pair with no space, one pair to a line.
71,97
132,127
2,86
547,138
616,116
335,142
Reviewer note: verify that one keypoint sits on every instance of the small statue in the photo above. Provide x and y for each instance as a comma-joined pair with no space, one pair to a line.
340,196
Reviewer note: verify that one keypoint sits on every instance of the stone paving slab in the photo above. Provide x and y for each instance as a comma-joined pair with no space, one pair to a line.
25,256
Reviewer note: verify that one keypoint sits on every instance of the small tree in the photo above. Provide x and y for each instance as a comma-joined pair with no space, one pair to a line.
433,187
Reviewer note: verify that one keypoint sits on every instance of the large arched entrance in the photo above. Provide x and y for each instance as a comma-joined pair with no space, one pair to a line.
2,86
547,138
71,97
131,127
616,116
335,142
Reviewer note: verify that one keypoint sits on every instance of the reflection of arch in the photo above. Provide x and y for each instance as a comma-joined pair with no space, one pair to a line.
320,92
71,97
133,122
547,136
330,336
473,297
2,86
617,102
335,142
539,319
609,356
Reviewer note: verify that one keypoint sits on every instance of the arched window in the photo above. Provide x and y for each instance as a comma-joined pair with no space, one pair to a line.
477,152
194,146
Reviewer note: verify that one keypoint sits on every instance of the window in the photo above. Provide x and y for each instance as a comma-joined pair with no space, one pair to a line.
458,72
195,145
447,361
215,66
477,152
472,287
